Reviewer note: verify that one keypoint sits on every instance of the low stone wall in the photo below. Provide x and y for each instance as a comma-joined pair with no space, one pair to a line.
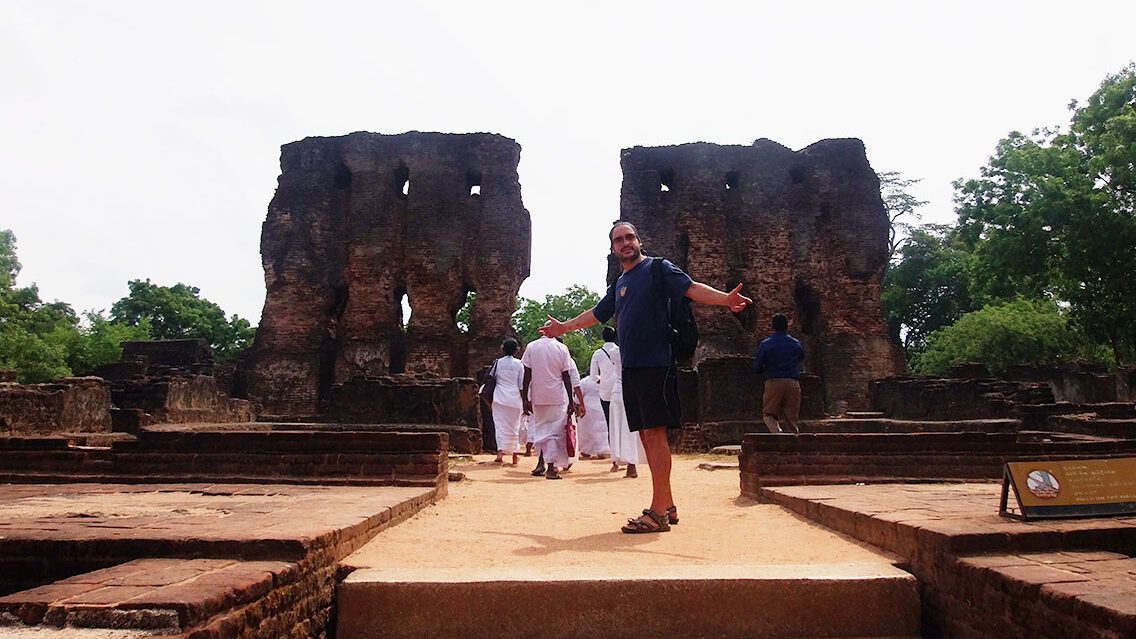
722,401
186,355
1079,383
342,458
729,390
68,405
394,399
180,399
841,458
936,399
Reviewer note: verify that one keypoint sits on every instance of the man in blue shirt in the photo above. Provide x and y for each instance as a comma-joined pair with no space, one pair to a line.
650,380
779,358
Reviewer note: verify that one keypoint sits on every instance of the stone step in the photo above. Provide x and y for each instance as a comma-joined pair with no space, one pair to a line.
772,602
161,595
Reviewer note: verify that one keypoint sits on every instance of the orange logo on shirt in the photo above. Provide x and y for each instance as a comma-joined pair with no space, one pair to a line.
623,291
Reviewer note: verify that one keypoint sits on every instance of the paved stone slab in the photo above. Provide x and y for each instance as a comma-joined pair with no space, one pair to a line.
507,552
960,518
1099,586
148,593
219,520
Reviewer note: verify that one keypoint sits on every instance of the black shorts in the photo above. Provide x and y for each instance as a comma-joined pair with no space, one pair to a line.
650,397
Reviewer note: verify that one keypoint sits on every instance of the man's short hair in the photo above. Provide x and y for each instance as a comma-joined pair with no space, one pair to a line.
780,322
609,334
622,223
509,346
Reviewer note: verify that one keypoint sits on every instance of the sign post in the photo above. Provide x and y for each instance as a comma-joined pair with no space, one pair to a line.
1069,488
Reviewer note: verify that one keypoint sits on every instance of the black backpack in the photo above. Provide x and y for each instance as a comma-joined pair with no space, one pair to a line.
682,331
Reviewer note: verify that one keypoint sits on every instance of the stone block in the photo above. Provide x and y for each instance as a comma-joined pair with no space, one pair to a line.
68,405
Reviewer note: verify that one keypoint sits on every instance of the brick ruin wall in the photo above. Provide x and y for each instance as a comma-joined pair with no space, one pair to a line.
359,223
69,405
805,232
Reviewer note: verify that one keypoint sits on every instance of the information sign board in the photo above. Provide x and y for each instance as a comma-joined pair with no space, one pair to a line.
1069,488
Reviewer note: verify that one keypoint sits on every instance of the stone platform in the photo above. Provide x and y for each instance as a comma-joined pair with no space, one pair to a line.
507,554
983,575
250,560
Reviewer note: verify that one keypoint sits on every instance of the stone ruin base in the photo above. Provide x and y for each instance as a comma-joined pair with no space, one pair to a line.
69,405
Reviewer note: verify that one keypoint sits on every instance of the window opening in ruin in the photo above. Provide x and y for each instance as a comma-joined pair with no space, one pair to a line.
402,179
732,180
342,177
402,307
473,181
462,317
808,308
666,179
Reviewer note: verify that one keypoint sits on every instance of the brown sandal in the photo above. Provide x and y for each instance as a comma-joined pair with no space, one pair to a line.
672,515
648,522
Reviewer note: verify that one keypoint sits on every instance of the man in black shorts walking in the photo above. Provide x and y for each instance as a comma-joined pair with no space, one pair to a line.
650,388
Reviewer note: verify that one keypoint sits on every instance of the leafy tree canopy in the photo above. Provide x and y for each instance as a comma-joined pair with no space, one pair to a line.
177,312
1002,335
928,288
901,207
34,336
1053,215
531,315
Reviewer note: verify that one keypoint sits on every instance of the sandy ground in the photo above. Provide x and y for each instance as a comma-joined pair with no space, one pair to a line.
501,521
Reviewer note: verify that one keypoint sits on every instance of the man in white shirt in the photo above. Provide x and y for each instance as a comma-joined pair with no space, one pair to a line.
604,371
548,387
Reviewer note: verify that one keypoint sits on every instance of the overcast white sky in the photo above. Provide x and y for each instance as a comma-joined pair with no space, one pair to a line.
141,139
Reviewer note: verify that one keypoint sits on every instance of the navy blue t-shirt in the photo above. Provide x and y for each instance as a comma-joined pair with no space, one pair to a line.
641,315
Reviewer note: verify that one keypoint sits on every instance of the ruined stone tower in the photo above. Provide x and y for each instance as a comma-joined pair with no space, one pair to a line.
359,223
806,232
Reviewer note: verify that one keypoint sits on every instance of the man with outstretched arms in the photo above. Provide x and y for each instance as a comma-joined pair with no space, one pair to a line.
650,381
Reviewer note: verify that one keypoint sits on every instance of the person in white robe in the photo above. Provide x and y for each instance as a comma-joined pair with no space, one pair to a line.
604,370
548,389
626,447
508,402
592,436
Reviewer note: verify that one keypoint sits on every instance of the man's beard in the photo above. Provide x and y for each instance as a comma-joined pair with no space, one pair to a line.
632,258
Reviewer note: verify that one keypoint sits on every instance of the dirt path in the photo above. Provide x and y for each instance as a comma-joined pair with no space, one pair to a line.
500,520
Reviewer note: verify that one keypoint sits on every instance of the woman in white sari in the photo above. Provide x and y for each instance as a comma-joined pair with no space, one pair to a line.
507,404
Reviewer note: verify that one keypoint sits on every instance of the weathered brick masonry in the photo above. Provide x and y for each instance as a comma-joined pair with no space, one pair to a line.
805,232
359,223
70,405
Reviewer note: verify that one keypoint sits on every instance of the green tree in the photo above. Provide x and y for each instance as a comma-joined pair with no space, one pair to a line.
100,342
927,288
1002,335
901,207
531,315
35,337
177,312
1053,215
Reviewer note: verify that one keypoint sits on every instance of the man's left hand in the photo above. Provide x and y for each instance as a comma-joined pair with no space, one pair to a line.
554,328
736,301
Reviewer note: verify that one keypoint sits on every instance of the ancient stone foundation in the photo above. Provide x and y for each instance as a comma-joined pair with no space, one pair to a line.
169,381
805,232
69,405
361,223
